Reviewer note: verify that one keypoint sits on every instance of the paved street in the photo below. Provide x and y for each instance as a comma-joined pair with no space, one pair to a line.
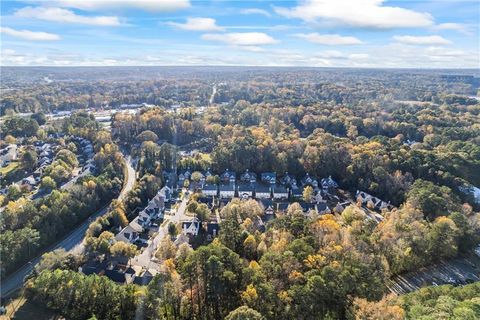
71,242
144,259
131,176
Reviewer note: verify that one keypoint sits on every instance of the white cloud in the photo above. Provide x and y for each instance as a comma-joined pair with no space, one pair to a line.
398,55
459,27
422,40
65,16
328,39
147,5
358,56
359,13
251,48
30,35
256,11
241,39
197,24
394,55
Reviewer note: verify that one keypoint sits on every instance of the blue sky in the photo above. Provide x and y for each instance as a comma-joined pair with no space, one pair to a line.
323,33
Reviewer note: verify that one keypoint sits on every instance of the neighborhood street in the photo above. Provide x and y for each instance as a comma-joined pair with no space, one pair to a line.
69,243
144,259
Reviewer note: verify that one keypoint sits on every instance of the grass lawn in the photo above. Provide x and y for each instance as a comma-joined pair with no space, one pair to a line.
23,309
6,170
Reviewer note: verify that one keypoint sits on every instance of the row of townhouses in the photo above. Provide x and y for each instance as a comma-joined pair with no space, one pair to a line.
145,224
249,186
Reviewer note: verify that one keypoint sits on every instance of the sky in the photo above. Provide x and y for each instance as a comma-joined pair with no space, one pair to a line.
315,33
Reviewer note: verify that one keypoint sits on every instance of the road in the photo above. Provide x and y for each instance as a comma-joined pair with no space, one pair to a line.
131,176
144,258
72,242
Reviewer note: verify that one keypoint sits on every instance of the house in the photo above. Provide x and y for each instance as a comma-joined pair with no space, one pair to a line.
228,177
248,177
206,200
307,207
45,161
269,177
8,154
328,183
94,267
318,198
145,277
245,190
131,272
279,191
212,230
371,201
29,182
341,206
322,208
167,192
46,153
185,175
210,190
309,181
296,192
116,274
43,147
262,191
155,209
227,190
268,206
282,207
191,228
129,233
38,172
288,180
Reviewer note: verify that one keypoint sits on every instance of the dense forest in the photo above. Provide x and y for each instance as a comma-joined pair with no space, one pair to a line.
28,226
54,89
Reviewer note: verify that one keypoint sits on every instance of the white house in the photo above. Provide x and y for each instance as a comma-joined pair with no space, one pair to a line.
262,191
248,177
228,177
210,190
288,179
269,177
29,182
154,209
191,228
328,183
369,200
227,190
280,192
309,181
8,154
245,190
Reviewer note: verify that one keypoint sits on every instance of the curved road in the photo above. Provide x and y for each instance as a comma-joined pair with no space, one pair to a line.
72,242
